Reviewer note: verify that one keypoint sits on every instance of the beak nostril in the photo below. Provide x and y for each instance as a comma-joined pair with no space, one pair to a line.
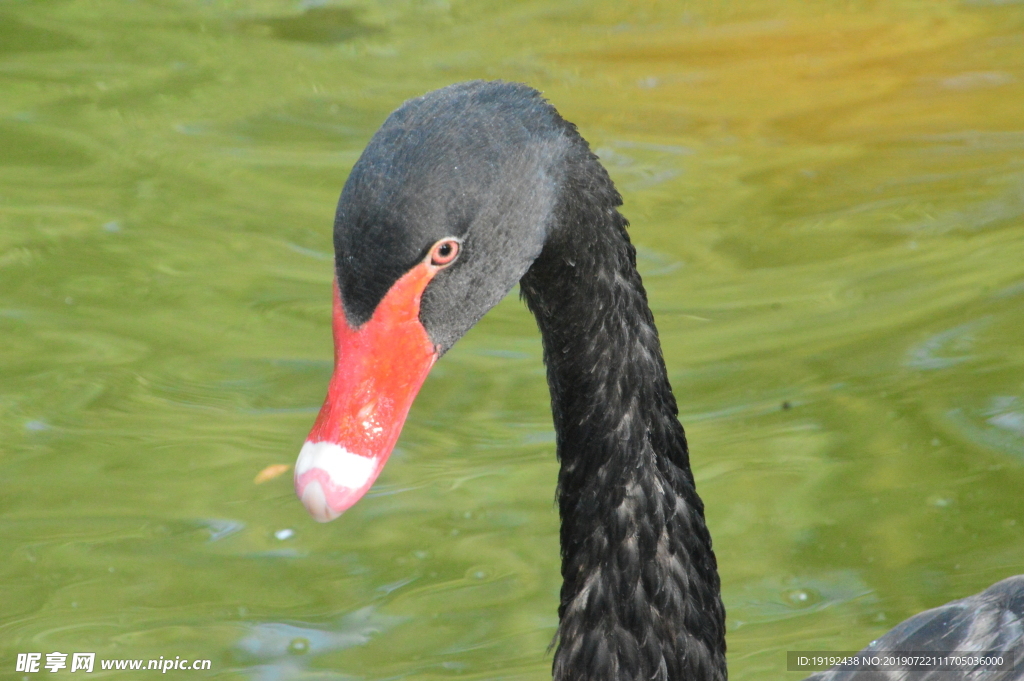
366,410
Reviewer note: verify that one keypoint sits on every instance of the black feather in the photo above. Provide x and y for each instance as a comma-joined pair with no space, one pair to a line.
640,598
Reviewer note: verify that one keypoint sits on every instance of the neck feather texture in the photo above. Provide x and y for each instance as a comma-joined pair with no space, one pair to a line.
641,595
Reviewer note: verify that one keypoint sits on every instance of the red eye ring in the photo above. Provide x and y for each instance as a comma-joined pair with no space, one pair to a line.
444,252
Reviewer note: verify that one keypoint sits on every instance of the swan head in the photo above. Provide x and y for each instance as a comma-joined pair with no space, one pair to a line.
448,206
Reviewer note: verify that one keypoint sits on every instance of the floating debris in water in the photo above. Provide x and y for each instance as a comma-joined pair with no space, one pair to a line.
270,472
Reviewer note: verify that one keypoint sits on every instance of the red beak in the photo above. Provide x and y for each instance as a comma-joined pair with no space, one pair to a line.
378,369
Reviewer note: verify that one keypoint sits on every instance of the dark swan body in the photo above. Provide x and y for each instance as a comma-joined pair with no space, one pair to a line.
460,195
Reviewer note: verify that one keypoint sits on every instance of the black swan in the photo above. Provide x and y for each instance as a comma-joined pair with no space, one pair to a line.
461,194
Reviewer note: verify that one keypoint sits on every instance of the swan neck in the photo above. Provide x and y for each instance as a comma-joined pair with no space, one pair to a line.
641,593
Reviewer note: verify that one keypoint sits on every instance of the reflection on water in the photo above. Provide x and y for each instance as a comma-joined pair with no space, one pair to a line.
947,348
996,427
274,650
828,205
773,600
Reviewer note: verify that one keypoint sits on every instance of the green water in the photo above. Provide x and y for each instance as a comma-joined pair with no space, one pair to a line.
828,201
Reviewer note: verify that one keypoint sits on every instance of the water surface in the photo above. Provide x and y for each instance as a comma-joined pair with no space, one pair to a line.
828,202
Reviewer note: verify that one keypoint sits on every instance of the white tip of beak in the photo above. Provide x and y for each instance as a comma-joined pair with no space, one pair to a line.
329,478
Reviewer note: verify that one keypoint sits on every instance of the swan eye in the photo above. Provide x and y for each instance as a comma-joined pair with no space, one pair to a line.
444,252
